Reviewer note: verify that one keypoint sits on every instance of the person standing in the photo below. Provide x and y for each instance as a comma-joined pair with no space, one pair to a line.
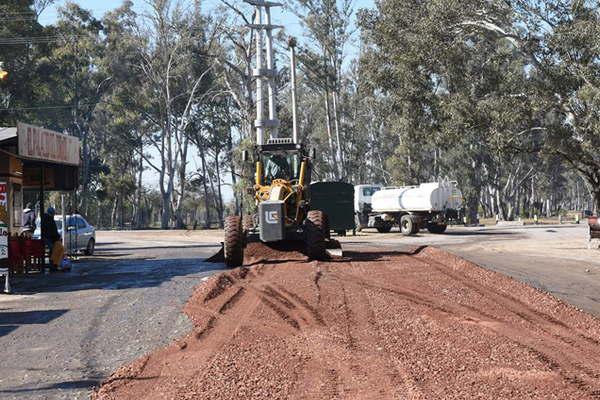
51,237
28,221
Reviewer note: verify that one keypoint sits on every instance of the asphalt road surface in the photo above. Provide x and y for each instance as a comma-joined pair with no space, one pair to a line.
64,333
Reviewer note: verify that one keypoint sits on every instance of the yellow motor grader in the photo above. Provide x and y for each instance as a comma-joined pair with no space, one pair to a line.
282,180
283,167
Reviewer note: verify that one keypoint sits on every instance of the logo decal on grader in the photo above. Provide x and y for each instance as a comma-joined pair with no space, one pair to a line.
272,217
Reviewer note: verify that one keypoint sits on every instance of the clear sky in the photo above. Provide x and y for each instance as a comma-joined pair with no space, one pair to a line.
99,7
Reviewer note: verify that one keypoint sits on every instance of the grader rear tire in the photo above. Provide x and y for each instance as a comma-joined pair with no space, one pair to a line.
314,226
233,246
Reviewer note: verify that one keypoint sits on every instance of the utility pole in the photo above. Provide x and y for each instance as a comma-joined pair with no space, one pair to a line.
292,46
264,73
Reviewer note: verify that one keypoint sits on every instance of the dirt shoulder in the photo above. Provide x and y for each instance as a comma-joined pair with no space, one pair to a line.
378,324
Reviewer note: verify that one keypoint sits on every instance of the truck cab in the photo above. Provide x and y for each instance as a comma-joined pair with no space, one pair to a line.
363,195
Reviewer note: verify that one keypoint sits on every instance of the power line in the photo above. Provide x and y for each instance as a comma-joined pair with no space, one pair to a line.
36,39
46,107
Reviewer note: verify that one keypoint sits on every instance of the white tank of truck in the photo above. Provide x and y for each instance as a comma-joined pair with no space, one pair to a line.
430,205
428,197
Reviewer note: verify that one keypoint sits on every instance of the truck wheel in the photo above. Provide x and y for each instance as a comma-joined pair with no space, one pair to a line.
407,225
234,242
437,228
416,226
385,228
314,236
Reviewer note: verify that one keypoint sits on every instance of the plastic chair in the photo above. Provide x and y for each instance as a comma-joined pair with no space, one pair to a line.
33,253
15,255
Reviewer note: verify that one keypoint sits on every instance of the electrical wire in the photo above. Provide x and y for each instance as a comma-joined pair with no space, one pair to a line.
36,39
45,107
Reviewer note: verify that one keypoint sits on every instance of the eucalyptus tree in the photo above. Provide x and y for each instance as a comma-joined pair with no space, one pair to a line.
168,71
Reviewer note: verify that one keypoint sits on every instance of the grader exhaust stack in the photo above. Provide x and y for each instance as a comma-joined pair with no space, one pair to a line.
283,166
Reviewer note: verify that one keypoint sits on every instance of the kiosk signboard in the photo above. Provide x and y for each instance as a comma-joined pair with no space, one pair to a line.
3,220
45,145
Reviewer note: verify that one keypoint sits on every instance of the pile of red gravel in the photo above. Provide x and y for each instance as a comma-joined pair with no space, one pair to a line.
424,325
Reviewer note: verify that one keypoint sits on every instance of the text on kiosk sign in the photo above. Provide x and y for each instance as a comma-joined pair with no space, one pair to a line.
44,144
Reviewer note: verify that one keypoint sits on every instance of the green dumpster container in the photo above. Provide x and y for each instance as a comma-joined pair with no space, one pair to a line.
336,200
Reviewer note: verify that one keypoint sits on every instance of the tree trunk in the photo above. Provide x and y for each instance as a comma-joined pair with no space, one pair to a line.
219,191
330,137
205,187
113,215
182,181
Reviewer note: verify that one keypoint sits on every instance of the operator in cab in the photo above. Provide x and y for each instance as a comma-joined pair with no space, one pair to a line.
277,167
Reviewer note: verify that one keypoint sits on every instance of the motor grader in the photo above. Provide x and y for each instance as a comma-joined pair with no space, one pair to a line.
282,180
283,166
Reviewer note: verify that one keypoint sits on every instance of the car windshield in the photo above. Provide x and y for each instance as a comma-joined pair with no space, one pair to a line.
281,166
369,191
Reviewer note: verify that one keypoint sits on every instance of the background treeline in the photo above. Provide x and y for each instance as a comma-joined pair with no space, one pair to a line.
502,96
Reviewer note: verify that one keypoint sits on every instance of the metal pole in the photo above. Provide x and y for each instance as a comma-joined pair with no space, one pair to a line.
64,223
271,71
259,123
7,288
42,177
292,46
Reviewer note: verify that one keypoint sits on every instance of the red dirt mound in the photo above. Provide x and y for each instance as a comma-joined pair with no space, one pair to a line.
423,325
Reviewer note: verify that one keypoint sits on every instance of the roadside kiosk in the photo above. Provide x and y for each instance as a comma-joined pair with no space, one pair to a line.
31,159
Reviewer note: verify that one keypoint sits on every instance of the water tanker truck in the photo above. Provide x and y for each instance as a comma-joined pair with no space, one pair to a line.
429,205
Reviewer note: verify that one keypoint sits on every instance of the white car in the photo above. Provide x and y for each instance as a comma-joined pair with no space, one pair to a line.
81,236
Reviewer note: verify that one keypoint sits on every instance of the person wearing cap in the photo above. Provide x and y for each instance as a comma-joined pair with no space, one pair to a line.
50,233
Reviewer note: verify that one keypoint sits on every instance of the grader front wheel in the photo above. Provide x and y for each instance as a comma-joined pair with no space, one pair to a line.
234,242
314,226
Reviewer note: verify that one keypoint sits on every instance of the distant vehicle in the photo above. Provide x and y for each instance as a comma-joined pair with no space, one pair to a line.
430,205
81,236
362,204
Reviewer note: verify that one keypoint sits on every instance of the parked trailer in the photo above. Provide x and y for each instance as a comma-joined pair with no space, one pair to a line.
429,205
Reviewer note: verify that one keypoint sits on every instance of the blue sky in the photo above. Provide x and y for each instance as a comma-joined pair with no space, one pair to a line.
100,7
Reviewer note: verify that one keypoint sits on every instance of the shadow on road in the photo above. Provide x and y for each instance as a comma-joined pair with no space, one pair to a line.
135,248
108,273
11,320
480,233
77,384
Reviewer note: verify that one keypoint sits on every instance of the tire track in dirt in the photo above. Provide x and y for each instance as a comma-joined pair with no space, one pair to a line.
566,363
378,326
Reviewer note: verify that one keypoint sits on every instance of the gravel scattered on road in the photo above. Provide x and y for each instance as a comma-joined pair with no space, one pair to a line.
376,324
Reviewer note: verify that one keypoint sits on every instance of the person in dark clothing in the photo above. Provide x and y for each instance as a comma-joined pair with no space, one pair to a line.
28,220
50,233
277,167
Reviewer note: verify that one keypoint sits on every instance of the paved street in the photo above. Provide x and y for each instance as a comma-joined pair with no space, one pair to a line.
63,333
